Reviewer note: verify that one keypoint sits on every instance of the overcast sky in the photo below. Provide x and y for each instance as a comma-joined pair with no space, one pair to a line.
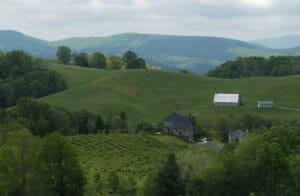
237,19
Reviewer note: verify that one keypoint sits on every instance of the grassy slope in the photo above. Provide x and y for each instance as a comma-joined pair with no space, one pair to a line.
134,155
152,95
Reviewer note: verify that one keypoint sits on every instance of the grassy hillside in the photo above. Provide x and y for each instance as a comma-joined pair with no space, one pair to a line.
134,155
151,95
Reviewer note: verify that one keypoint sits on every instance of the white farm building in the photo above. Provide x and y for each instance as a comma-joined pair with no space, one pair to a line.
225,99
265,104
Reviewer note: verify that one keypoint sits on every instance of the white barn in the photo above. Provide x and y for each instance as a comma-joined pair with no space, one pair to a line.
225,99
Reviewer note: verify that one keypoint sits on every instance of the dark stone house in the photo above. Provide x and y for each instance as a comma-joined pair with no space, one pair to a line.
180,126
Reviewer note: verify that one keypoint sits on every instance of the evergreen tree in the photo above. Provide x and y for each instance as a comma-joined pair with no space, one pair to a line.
166,181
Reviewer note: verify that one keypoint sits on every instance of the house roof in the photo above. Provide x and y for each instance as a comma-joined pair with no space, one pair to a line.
238,133
178,121
265,102
225,97
182,124
173,116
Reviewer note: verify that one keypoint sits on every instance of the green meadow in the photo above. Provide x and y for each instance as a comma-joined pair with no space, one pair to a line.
151,95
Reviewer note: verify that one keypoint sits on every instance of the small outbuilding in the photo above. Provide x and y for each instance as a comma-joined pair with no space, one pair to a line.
265,104
238,135
180,126
226,99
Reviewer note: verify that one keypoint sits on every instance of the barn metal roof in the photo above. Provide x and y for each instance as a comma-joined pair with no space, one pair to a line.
265,102
225,97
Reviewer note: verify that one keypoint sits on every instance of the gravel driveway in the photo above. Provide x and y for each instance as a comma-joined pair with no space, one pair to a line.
211,145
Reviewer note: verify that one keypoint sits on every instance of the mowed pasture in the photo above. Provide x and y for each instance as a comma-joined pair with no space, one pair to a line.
151,95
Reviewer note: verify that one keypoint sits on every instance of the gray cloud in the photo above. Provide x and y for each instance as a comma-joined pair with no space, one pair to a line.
238,19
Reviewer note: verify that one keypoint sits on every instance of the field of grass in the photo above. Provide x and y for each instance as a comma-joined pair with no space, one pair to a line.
151,95
135,155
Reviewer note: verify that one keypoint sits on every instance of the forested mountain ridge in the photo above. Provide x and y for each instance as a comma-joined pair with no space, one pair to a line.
13,40
198,54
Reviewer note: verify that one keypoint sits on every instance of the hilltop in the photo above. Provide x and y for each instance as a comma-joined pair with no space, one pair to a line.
283,42
13,40
151,95
197,54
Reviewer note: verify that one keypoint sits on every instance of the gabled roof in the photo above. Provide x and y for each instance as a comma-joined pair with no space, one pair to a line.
178,121
182,124
173,117
265,102
225,97
238,133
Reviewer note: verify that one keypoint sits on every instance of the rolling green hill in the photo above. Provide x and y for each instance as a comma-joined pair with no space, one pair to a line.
151,95
197,54
135,156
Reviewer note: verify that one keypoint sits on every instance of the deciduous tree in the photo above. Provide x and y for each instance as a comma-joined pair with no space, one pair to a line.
98,60
63,54
62,170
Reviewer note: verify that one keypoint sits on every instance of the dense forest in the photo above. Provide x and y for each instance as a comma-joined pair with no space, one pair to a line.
21,75
41,119
257,66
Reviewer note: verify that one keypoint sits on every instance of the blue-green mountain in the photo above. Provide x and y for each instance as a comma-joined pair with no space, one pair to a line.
197,54
283,42
13,40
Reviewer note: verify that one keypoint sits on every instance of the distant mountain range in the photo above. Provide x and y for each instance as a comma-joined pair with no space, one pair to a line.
13,40
284,42
197,54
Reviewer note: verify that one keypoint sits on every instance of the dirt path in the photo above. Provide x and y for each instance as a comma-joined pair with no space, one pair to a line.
287,108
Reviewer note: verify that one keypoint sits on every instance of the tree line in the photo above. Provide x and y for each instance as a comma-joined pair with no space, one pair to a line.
42,119
265,164
21,75
257,66
130,60
30,165
37,159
